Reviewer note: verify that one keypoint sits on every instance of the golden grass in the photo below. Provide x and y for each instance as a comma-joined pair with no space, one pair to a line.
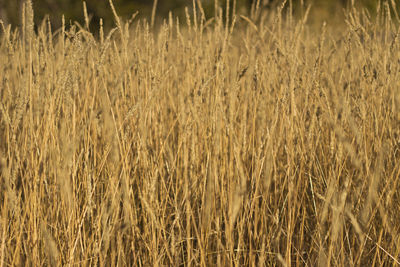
254,141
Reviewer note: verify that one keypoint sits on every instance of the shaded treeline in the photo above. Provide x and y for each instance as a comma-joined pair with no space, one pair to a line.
10,11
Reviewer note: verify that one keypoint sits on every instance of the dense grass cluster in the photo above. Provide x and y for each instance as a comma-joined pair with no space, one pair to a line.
256,141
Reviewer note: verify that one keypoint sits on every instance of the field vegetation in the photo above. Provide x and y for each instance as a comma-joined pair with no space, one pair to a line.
258,140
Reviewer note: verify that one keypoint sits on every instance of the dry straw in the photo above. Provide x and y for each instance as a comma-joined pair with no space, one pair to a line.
255,139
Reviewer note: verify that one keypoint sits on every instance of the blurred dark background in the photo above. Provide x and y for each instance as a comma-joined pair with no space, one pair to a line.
10,10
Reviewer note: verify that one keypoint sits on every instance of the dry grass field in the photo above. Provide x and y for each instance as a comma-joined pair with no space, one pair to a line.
255,140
